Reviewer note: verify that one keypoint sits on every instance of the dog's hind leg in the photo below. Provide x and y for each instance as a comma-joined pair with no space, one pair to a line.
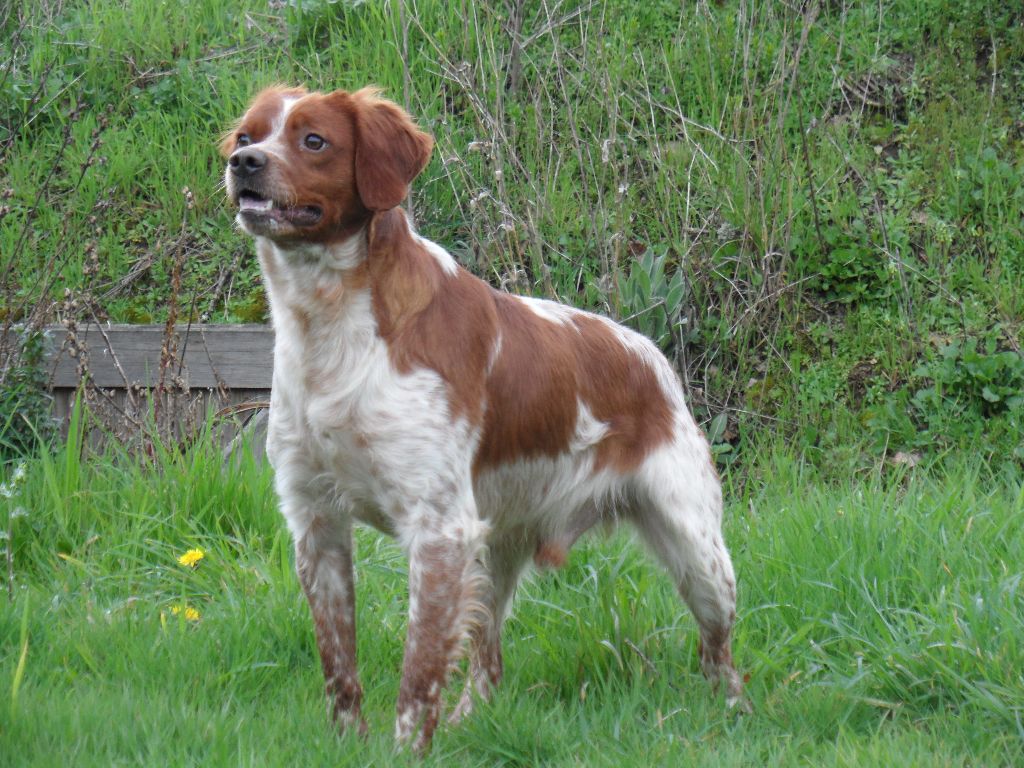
504,562
678,512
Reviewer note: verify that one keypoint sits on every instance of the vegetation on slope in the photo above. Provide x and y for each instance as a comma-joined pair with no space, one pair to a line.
816,209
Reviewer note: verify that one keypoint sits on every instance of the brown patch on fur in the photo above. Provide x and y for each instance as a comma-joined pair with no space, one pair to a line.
715,649
545,367
326,179
622,391
531,392
430,318
716,660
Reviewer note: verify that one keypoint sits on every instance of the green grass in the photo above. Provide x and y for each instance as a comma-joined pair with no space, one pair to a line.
881,622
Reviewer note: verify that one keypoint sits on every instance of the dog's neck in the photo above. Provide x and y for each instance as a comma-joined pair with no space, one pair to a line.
310,285
317,284
404,275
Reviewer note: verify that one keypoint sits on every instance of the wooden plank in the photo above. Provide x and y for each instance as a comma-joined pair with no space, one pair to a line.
234,356
238,358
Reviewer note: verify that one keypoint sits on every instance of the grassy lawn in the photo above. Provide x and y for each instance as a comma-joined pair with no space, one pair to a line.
881,623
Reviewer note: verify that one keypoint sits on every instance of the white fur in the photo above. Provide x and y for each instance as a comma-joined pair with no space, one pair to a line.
495,353
549,310
273,144
365,443
445,259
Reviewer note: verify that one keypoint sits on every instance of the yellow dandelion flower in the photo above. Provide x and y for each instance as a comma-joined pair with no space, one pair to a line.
191,614
192,557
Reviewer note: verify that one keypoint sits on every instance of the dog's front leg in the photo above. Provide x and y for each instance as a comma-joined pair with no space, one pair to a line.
444,584
323,559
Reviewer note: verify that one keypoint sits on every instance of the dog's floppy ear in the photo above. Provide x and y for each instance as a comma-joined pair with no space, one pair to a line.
390,150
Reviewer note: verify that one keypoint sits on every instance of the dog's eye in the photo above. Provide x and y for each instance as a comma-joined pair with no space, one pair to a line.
314,142
243,140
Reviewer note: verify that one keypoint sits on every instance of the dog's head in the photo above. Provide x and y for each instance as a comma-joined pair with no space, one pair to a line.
314,166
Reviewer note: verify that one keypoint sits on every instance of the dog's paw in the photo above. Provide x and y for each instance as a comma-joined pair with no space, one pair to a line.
351,722
739,704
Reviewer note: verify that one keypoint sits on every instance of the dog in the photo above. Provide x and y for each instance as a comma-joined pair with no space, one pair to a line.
481,429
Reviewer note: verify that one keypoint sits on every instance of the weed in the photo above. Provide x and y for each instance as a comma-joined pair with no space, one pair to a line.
965,395
25,419
655,302
989,380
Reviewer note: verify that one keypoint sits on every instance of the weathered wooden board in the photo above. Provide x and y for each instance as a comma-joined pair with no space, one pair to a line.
209,356
215,369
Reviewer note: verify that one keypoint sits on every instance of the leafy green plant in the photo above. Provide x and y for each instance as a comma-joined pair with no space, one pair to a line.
891,425
848,263
25,418
970,396
653,300
989,380
988,196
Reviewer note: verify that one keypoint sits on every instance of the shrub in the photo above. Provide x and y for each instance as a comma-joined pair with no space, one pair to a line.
970,397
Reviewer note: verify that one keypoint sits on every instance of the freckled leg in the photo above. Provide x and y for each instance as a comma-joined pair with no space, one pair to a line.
444,576
485,664
681,522
323,557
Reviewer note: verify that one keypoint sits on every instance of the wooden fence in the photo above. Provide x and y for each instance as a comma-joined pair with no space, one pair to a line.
139,374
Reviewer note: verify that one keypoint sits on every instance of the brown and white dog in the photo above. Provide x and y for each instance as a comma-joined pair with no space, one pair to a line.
481,429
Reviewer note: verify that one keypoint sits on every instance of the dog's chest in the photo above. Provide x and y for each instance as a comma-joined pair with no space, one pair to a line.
343,411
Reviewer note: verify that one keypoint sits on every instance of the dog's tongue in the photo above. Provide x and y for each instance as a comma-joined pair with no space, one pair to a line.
252,204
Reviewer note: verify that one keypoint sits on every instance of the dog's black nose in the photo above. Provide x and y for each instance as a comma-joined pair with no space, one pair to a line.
247,161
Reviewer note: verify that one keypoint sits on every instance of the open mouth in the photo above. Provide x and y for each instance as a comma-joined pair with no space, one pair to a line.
252,204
